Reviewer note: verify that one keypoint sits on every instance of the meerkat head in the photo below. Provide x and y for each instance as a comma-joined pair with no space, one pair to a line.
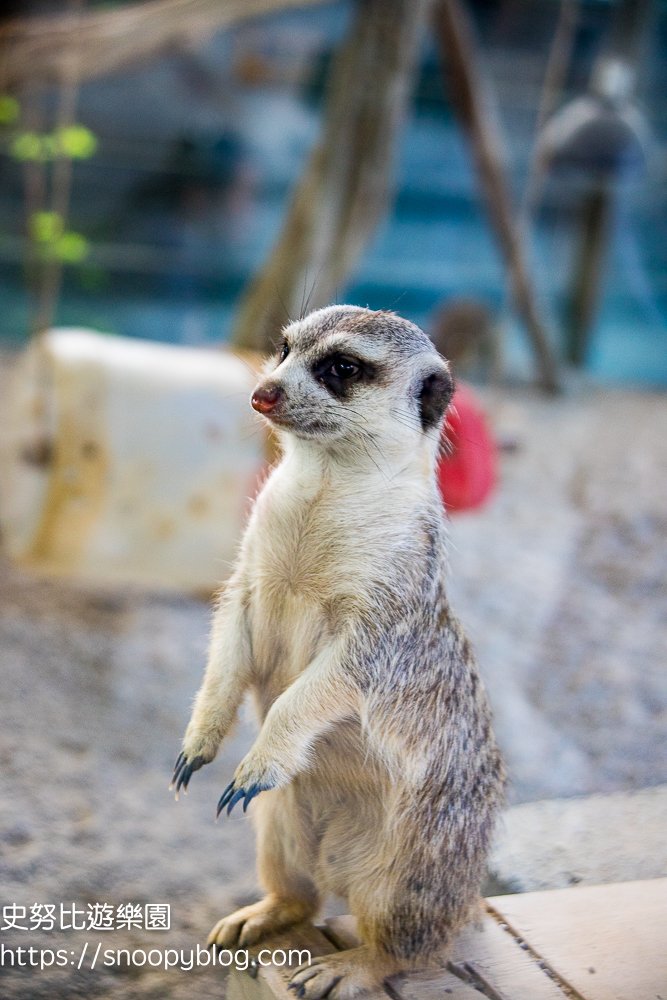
346,372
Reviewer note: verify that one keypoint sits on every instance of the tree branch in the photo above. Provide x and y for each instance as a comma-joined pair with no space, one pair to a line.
103,42
344,190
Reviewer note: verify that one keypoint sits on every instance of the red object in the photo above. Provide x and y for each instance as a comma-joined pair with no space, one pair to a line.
467,470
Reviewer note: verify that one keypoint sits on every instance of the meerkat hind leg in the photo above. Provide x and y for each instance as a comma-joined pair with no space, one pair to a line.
285,857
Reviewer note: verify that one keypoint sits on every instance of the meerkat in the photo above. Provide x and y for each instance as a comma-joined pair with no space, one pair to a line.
376,772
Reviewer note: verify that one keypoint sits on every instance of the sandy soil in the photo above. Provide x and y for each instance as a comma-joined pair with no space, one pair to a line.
561,583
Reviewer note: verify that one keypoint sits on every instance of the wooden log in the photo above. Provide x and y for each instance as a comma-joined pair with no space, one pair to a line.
345,188
469,96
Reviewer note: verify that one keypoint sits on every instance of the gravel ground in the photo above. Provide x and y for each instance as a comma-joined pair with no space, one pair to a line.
97,689
588,840
561,583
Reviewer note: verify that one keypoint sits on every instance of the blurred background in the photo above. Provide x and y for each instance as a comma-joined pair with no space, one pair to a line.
189,173
181,180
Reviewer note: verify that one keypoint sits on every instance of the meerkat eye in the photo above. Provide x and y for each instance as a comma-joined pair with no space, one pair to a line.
343,368
284,351
339,373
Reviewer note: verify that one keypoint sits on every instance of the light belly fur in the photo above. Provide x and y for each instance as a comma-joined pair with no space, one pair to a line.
287,631
346,788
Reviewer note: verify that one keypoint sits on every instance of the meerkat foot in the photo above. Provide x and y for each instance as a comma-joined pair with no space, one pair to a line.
248,925
343,976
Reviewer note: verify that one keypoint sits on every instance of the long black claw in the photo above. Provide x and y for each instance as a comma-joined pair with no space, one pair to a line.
180,761
183,778
238,794
224,798
184,770
251,793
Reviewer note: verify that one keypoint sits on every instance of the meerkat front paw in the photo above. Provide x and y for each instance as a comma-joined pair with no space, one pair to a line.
197,751
248,925
184,768
253,775
343,976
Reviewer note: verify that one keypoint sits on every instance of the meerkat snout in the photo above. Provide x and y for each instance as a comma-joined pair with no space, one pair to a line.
266,398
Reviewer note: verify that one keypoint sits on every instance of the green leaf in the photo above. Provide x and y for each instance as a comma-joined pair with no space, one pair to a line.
46,227
10,109
72,248
76,141
28,146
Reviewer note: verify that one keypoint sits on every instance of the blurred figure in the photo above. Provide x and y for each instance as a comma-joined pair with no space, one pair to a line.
463,332
601,141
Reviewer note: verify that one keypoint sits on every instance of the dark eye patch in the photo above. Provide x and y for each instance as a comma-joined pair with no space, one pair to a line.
340,372
343,368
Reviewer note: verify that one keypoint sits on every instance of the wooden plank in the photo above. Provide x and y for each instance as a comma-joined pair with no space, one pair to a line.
430,985
484,958
266,982
586,943
607,942
495,961
434,985
270,983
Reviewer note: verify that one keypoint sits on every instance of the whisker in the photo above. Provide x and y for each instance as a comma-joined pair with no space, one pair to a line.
374,462
401,296
405,419
280,299
303,294
247,366
317,278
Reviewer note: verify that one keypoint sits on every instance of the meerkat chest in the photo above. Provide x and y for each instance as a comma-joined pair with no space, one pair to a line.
305,567
312,537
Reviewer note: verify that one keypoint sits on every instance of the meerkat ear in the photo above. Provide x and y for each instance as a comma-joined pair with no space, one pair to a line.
435,395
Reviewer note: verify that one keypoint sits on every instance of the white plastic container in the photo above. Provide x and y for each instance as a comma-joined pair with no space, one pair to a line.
127,461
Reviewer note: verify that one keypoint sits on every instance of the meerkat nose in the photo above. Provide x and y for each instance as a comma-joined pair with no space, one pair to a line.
264,400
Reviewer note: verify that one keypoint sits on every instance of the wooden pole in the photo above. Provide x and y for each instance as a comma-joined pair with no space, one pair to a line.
344,190
467,91
35,190
61,179
587,272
